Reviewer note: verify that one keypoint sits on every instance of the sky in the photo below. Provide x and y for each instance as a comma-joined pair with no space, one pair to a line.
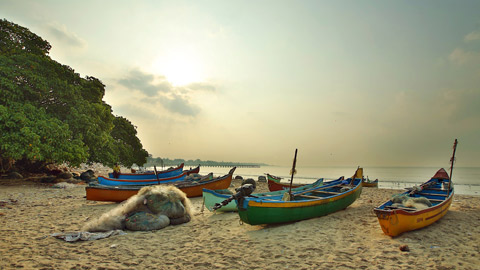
347,83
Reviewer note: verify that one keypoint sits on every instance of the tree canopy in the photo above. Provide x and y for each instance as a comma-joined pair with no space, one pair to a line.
49,114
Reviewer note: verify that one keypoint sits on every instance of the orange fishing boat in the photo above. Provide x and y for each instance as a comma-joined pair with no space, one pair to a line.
191,188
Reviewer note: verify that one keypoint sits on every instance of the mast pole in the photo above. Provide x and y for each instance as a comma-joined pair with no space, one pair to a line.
293,172
452,160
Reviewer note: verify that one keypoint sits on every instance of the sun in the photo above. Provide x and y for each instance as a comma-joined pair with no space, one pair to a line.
180,67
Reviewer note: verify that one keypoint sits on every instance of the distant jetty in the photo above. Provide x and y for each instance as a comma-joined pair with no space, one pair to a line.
218,165
166,162
233,165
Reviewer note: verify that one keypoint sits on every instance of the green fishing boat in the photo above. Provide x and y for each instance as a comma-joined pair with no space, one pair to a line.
301,205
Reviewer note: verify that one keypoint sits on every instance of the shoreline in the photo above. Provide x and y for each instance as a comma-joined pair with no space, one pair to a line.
349,239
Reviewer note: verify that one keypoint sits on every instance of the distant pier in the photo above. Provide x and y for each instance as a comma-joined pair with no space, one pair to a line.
232,165
218,165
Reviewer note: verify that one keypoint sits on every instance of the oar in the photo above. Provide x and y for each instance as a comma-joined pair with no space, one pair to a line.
452,160
293,172
155,168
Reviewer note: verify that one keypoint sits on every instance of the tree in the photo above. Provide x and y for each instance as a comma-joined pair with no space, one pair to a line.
127,144
29,133
49,114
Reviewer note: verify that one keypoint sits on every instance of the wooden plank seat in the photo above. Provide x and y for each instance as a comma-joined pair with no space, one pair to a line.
435,200
307,196
432,194
317,189
326,192
402,208
436,189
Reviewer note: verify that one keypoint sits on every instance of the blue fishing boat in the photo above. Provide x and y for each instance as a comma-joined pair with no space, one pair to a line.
151,175
122,182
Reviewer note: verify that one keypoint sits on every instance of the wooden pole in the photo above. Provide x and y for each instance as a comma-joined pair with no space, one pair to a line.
452,160
155,169
293,172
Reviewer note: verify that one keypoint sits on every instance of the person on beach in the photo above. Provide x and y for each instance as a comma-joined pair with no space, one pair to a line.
116,170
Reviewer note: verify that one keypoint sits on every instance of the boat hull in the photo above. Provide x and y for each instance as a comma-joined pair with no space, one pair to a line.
211,198
255,212
394,223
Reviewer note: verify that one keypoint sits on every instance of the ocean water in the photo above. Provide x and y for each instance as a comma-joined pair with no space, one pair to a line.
465,179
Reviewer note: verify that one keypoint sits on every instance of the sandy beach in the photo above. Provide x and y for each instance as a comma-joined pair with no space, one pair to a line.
30,212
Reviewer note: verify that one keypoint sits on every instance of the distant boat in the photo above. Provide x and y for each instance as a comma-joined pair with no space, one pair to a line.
368,183
274,183
311,203
191,188
418,207
213,197
151,175
194,170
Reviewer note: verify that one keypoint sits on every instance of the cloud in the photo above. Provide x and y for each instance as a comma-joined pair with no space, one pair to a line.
461,105
201,86
462,57
136,110
148,84
159,92
61,33
475,35
180,105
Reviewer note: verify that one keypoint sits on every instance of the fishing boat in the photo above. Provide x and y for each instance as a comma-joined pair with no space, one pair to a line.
301,205
151,175
369,183
418,207
274,183
215,197
191,188
124,182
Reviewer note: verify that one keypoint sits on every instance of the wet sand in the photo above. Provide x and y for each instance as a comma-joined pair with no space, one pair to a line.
31,212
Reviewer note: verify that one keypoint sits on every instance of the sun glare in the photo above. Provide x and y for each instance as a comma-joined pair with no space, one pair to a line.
179,68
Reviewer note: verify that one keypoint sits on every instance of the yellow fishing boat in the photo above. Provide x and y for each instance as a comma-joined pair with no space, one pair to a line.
419,207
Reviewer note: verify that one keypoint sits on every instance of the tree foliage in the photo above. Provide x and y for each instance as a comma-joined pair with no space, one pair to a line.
49,114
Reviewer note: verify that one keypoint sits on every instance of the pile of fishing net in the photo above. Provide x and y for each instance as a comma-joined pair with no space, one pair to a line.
403,200
195,177
153,208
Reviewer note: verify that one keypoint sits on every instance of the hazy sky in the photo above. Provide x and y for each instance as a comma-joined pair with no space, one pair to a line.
369,83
